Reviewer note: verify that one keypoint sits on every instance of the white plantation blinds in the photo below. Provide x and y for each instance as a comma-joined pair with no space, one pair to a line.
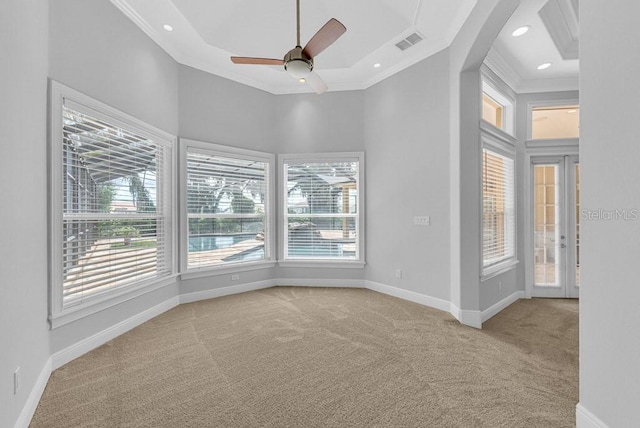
227,208
498,208
115,202
321,212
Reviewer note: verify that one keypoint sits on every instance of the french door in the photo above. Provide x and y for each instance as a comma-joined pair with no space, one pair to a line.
556,226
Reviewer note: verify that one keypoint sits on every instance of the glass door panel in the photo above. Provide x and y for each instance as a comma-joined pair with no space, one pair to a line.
556,226
546,227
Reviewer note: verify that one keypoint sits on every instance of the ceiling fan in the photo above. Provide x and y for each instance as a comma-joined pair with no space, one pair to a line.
298,62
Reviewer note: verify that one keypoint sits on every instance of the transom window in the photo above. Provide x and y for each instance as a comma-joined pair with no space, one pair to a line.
492,111
555,122
498,106
322,207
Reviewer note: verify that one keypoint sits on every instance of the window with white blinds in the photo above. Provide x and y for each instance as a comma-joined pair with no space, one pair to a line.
111,201
227,205
498,208
322,212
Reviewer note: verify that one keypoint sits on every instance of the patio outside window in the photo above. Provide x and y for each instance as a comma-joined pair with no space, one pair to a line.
111,199
228,205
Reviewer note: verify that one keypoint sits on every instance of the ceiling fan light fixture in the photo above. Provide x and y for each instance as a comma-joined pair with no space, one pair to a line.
298,62
298,68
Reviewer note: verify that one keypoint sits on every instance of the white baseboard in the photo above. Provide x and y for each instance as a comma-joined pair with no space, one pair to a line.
34,396
454,310
471,318
62,357
339,283
467,317
411,296
225,291
501,305
586,419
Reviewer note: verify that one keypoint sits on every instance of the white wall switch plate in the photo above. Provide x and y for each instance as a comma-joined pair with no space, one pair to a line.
422,220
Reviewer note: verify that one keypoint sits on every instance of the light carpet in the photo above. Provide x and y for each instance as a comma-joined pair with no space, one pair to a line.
325,357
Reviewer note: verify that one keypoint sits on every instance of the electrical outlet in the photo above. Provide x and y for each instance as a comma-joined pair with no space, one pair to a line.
235,277
16,381
422,220
398,273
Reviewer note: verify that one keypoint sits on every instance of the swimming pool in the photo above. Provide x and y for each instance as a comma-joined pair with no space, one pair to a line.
217,242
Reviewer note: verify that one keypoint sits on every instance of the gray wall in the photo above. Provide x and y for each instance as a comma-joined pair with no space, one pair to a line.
333,122
609,155
24,340
96,50
467,52
407,145
217,110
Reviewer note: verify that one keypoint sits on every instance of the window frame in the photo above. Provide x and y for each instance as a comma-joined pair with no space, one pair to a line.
270,246
58,314
358,263
500,93
549,142
502,144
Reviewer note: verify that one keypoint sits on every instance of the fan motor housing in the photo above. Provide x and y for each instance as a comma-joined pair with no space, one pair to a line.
296,62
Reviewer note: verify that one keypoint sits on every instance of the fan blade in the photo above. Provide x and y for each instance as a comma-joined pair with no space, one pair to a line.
258,61
316,83
329,33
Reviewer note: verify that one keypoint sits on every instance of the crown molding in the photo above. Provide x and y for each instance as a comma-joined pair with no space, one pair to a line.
497,63
549,85
503,69
561,19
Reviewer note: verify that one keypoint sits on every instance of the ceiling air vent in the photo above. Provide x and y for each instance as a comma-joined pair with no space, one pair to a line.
409,41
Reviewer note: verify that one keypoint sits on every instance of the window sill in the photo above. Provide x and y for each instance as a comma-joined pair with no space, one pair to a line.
351,264
225,270
82,310
552,143
499,269
499,133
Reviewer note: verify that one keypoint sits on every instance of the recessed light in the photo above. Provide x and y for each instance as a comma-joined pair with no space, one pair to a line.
167,27
520,31
302,80
544,66
377,65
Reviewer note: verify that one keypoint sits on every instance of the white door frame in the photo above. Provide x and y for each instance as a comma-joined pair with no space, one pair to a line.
535,149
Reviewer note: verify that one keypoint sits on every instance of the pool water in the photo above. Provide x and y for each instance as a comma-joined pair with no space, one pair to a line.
208,243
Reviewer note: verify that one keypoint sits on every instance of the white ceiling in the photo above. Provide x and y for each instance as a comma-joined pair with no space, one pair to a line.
206,33
515,59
